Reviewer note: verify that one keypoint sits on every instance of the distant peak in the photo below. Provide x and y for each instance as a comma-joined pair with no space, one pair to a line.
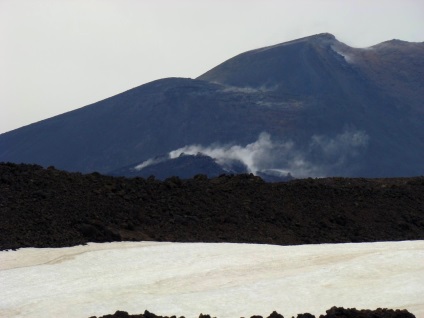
326,36
321,39
394,44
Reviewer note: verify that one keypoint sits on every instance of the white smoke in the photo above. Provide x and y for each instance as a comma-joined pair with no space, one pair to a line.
253,155
341,147
328,155
249,90
150,162
321,157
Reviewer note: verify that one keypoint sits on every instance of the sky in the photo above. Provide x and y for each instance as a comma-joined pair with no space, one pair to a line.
60,55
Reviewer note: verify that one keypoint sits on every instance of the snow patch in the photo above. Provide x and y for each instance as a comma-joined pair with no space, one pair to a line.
224,280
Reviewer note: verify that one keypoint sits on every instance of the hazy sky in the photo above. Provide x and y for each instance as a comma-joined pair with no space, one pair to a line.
59,55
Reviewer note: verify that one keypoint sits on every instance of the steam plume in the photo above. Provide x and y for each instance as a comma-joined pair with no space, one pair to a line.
322,156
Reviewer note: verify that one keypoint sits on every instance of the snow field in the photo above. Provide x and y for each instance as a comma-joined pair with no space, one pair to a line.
220,279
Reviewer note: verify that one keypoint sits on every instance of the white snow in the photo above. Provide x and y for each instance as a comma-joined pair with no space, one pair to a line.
224,280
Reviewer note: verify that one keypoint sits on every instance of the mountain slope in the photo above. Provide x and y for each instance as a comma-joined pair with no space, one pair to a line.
136,125
325,109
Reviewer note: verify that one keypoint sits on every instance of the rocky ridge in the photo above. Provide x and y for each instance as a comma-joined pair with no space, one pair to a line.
51,208
334,312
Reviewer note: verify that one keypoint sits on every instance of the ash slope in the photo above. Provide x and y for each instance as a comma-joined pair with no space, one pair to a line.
51,208
330,110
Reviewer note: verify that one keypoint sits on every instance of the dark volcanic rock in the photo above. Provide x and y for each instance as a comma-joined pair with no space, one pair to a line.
335,312
339,312
52,208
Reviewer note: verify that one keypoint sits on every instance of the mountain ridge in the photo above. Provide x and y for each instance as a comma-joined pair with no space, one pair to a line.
329,110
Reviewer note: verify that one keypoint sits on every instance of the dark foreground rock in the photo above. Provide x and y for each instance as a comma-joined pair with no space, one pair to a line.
51,208
335,312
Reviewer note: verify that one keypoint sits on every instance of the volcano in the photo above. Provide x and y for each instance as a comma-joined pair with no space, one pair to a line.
328,110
